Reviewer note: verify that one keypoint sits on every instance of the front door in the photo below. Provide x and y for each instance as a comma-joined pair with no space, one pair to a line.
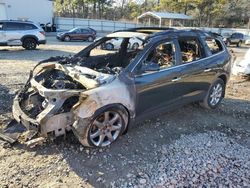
157,79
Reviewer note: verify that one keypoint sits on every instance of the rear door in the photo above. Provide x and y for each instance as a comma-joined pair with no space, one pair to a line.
14,33
193,82
84,34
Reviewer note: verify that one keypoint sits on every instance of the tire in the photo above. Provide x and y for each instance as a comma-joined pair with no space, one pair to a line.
135,46
214,95
67,38
90,39
239,44
109,46
105,127
29,44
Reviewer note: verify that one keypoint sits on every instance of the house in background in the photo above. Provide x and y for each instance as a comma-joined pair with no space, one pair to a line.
38,11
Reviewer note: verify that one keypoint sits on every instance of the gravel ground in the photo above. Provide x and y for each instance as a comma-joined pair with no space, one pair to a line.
202,160
188,147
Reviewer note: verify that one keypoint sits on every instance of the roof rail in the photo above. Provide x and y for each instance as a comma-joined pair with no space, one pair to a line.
148,30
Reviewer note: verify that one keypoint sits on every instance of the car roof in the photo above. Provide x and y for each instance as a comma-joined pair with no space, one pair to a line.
16,21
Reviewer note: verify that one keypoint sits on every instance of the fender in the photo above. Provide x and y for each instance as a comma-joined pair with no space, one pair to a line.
29,36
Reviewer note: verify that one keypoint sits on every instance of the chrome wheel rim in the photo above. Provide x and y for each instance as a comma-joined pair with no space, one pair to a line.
105,129
216,94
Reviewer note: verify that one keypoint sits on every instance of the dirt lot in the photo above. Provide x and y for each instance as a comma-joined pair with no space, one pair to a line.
132,160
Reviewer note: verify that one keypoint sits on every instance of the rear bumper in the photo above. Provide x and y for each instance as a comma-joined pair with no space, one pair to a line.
42,42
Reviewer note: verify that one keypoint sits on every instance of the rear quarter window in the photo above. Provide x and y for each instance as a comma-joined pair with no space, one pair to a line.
29,26
214,45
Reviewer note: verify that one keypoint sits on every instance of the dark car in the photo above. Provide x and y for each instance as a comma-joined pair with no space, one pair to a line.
236,39
88,34
98,93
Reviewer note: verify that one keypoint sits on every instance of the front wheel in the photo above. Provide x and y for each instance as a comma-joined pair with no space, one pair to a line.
67,38
105,127
214,95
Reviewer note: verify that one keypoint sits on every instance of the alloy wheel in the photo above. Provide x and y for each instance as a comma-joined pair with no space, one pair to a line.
216,94
106,128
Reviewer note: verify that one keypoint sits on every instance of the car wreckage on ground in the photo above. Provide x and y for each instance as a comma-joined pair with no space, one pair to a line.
98,93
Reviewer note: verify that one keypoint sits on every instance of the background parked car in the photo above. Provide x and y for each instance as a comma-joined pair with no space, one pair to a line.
235,38
88,34
20,33
134,43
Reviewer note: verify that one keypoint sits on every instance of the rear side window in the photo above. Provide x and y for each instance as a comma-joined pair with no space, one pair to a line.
214,45
191,50
12,26
27,26
84,31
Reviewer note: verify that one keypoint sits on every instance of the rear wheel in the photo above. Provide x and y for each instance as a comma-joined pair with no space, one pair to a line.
29,44
239,44
90,39
214,95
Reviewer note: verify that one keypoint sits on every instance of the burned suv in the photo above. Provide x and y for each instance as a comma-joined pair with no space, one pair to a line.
97,93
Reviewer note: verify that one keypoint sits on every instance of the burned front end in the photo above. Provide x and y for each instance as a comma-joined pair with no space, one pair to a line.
45,104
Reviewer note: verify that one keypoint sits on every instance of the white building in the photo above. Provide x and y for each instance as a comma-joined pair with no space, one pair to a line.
39,11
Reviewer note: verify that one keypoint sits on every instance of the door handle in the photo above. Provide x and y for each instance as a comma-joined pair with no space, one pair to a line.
207,70
175,79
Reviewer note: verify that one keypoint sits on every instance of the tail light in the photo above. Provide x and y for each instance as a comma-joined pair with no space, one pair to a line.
42,32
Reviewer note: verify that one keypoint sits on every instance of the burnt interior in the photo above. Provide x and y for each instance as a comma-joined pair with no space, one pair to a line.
110,63
57,79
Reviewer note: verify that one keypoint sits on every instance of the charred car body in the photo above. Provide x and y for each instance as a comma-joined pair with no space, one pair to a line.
97,93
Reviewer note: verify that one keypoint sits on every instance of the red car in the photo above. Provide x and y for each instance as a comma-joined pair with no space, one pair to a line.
88,34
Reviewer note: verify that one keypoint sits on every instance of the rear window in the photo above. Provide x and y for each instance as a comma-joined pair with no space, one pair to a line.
214,45
191,49
19,26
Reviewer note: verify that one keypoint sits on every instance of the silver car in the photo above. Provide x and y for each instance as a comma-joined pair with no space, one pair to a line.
20,33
